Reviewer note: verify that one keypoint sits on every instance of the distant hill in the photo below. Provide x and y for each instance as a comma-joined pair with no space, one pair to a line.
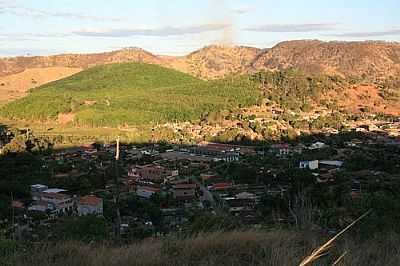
130,94
13,65
372,61
214,62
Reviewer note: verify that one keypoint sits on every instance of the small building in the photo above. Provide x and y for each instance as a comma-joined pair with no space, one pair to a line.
184,192
154,173
317,145
37,190
208,176
53,202
282,149
90,205
330,164
219,152
312,165
146,192
221,186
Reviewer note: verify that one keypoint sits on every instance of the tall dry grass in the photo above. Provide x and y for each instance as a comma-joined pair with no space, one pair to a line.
229,248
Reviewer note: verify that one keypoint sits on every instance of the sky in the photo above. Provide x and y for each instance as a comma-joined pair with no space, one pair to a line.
177,27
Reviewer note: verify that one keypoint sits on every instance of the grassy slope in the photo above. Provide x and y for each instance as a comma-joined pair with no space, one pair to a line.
283,248
133,94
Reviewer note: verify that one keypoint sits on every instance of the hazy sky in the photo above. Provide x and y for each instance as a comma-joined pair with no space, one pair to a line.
177,27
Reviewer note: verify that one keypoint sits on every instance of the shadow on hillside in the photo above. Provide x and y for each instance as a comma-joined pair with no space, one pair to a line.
55,165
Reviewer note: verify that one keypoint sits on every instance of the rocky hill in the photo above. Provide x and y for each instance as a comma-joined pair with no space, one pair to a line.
208,63
368,60
215,61
19,64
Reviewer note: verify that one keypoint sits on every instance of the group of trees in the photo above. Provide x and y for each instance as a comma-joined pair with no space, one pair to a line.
20,141
294,89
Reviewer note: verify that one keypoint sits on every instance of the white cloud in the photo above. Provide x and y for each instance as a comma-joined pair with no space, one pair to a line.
165,31
365,34
242,10
30,36
293,27
8,7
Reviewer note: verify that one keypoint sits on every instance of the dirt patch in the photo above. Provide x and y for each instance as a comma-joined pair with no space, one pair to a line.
64,119
89,103
356,98
16,86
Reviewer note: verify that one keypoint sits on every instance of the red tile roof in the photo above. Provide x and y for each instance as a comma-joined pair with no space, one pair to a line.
222,185
185,186
52,195
152,189
90,200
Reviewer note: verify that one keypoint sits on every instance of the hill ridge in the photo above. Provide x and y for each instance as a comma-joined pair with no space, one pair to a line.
370,61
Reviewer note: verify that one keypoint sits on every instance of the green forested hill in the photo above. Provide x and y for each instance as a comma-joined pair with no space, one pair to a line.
131,94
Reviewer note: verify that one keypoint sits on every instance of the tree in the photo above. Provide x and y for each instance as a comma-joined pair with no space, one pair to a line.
85,228
17,145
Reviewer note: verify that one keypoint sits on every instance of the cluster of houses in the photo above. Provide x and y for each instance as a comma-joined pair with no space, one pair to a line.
189,179
56,202
148,180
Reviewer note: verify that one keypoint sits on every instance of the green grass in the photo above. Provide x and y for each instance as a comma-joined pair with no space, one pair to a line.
131,94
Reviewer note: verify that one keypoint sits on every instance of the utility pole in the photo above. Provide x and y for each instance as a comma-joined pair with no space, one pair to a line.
12,217
116,192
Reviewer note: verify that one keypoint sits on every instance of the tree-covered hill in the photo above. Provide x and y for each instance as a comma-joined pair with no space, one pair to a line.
131,94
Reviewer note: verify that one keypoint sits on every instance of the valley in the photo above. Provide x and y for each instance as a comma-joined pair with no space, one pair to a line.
129,151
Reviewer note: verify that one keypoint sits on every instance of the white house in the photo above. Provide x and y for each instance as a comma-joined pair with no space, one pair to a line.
331,164
90,205
312,165
55,203
317,145
37,190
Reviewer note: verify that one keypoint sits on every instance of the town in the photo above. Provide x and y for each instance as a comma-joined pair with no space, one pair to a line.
155,189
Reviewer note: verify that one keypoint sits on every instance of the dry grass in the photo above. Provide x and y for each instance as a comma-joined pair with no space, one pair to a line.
233,248
324,249
16,86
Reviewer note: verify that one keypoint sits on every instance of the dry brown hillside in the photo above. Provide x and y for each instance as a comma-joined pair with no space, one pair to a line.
371,60
214,61
15,65
15,86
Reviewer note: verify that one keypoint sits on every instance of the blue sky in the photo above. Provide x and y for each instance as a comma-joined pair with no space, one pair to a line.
176,27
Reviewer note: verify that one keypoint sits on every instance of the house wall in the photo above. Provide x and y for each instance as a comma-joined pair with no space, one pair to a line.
90,209
184,193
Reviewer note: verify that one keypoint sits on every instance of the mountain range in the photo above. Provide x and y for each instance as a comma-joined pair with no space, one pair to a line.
369,61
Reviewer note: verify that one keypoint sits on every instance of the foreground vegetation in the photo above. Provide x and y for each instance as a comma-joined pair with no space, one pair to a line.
221,248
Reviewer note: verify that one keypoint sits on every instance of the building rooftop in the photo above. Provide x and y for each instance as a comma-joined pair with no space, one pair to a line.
185,186
152,189
54,190
90,200
39,186
58,196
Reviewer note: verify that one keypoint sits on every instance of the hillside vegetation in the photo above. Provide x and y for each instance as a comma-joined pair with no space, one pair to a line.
131,94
